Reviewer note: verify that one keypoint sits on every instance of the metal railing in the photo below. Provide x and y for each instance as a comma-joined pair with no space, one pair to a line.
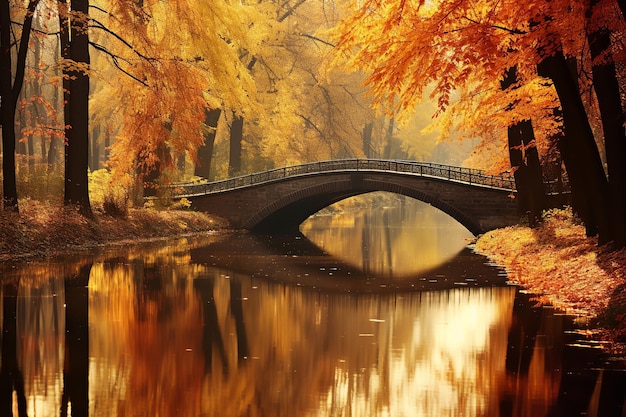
423,169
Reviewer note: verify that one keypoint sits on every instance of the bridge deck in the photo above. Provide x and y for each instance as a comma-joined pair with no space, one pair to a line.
425,169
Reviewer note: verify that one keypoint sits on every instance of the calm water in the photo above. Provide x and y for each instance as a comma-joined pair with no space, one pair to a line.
387,314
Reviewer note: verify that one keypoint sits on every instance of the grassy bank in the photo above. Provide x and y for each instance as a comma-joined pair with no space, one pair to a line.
42,229
565,268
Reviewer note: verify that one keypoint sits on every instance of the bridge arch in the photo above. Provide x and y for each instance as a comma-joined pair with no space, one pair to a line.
287,212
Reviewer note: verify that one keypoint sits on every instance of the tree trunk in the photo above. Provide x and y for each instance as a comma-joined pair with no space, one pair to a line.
236,136
536,188
389,138
94,160
10,88
367,139
579,151
152,174
7,111
607,91
205,152
53,161
524,161
77,110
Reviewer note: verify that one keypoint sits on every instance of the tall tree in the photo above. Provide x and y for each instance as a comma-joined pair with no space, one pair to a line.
11,81
75,52
524,160
607,89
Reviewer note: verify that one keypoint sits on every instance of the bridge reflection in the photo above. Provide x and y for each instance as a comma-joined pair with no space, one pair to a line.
295,260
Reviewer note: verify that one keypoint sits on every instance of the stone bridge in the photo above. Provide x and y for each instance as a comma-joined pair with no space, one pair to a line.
278,200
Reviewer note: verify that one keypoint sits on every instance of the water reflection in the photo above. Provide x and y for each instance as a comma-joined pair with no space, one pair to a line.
390,236
163,331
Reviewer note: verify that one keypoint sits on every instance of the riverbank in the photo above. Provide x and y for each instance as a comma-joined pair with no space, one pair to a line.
565,268
44,230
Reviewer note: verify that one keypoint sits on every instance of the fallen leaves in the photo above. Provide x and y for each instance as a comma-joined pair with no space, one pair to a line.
562,266
45,229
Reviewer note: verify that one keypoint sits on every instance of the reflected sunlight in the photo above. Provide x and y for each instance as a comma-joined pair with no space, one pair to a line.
386,234
448,362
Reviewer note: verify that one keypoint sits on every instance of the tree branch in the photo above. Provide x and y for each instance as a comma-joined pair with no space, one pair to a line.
315,38
513,31
101,26
20,65
116,61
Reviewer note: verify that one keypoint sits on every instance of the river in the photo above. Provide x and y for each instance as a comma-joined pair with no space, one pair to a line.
380,311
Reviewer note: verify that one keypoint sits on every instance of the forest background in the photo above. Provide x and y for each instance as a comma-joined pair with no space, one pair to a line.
139,93
178,91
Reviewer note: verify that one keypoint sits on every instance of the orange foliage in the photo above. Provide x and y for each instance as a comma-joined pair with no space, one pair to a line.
557,262
175,69
463,49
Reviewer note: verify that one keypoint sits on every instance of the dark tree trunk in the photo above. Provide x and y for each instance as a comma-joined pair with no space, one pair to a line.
31,152
10,88
53,161
205,152
180,164
367,139
607,91
524,161
537,191
579,151
7,110
236,137
20,146
77,110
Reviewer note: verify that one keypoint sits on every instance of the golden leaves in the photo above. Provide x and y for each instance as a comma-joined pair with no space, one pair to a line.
556,261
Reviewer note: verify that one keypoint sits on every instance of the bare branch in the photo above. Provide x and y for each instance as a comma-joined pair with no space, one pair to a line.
101,26
315,38
116,61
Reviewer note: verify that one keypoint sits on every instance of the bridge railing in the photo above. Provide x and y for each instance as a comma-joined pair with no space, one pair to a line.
446,172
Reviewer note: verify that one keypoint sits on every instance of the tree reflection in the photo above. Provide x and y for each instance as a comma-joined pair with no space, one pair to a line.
11,379
211,333
156,334
76,365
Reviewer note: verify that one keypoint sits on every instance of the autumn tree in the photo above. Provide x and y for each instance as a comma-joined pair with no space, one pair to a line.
467,47
169,89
